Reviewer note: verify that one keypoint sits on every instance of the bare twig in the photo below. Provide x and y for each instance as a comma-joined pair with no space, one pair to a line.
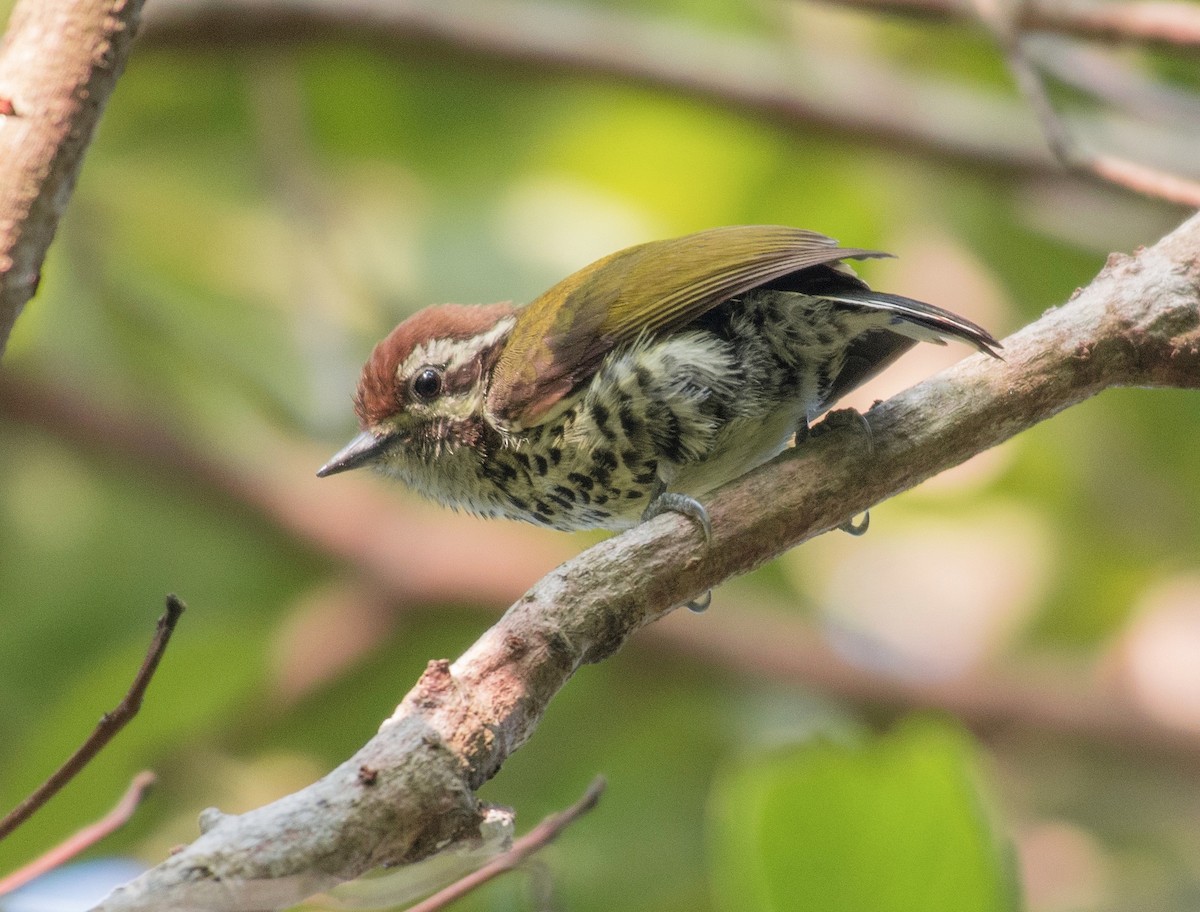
108,726
59,63
1138,324
83,839
534,841
1143,178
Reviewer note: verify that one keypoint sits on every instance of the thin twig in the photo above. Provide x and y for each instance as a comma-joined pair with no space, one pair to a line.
84,838
534,841
108,726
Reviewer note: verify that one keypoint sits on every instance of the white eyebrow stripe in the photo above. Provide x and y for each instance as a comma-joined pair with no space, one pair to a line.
452,354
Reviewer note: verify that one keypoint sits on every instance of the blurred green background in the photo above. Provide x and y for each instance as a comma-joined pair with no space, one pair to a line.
254,213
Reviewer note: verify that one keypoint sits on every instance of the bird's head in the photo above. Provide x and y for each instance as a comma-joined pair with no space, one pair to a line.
422,389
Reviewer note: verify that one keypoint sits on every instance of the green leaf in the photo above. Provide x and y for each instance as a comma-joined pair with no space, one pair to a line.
892,825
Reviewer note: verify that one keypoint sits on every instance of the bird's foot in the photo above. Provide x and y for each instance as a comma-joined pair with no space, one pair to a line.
664,501
845,418
669,502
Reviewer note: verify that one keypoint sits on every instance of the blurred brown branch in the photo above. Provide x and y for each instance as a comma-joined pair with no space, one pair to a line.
1137,323
1150,21
1044,698
801,87
747,74
59,62
361,525
350,522
407,550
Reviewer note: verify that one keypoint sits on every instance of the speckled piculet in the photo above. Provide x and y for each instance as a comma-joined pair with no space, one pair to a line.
636,385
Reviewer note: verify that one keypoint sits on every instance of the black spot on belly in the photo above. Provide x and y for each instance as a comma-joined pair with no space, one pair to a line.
555,455
542,465
603,458
673,444
630,423
583,481
499,472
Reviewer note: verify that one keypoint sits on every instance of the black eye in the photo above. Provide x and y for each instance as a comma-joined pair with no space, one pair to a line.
427,383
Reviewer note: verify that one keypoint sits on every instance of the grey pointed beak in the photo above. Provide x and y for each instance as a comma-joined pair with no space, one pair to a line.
360,451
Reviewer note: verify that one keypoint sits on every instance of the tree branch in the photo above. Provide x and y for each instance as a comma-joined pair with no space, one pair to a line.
59,63
1138,323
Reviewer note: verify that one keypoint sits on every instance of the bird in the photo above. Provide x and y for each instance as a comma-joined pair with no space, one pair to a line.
637,385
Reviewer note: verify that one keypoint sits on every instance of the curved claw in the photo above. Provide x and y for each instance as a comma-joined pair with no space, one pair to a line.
665,501
842,417
850,527
670,502
870,435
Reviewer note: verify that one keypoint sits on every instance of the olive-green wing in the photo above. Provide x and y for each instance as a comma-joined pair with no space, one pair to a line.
560,338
